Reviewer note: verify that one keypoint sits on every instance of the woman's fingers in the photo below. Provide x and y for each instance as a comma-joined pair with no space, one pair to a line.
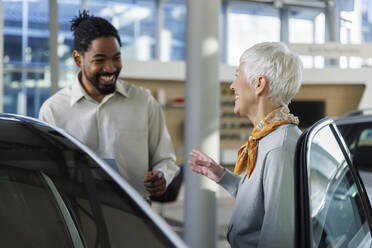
198,170
200,157
195,153
198,162
198,154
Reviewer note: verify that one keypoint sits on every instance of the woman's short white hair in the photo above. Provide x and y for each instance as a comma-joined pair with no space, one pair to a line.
278,64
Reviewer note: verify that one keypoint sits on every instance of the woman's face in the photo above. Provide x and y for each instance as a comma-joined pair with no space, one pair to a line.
244,93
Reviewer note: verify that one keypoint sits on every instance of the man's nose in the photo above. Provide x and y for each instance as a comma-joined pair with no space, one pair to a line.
109,67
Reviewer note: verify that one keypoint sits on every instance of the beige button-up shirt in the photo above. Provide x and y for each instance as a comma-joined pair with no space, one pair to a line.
127,126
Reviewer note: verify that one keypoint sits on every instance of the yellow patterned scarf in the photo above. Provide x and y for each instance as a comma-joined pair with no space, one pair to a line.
248,151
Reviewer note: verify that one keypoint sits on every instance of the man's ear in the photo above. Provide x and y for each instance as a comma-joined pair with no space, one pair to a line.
261,85
77,58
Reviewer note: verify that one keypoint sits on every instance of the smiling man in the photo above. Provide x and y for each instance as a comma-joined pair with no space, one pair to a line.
122,123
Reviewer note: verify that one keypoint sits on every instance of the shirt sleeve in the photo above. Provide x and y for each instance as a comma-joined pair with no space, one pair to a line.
46,114
162,154
230,182
278,187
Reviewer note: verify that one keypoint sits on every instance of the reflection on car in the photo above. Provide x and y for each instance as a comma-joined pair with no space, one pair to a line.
55,192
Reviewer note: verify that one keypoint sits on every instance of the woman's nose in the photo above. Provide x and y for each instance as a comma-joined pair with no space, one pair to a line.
232,85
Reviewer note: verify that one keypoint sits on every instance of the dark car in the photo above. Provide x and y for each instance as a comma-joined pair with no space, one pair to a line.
356,129
331,205
55,192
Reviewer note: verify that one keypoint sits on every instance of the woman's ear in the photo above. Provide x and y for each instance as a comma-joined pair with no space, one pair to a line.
77,58
261,85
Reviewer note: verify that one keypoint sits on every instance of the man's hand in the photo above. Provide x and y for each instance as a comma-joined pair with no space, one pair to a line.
154,182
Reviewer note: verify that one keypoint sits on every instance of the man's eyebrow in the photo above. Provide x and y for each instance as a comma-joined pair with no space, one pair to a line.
99,55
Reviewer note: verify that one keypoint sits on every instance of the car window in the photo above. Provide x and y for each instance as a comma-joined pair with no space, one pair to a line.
359,140
27,211
366,137
52,194
336,210
362,150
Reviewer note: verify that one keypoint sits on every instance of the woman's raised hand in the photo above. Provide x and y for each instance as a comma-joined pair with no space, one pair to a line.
205,165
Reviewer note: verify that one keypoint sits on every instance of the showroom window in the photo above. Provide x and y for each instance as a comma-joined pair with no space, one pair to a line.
307,26
26,56
173,35
351,31
67,9
136,22
156,30
248,24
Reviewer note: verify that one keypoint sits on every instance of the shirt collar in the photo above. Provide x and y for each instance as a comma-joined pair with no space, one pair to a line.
122,87
78,92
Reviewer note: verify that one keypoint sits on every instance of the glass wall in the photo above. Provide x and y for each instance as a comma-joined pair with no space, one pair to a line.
307,26
26,56
173,35
351,31
156,30
136,22
67,9
248,24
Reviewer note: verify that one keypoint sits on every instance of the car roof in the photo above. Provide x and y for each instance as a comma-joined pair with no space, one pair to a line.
354,117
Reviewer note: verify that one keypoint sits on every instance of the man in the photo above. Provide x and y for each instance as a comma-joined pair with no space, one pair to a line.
119,121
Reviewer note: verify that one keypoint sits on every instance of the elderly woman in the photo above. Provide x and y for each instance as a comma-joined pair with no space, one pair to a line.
268,77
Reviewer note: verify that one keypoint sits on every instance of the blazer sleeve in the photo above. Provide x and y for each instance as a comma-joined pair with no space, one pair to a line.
230,182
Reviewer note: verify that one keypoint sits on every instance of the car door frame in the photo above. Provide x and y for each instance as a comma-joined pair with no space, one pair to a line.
302,182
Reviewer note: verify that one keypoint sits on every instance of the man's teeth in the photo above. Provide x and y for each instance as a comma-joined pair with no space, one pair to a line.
108,78
236,97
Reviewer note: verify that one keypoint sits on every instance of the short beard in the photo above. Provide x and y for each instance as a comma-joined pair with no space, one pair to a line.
107,89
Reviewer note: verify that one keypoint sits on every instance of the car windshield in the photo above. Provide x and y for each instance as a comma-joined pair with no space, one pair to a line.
52,194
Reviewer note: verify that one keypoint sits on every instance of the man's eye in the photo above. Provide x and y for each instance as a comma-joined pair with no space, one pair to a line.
98,61
117,58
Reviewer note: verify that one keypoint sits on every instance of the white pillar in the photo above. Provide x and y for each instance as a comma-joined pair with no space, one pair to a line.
22,95
159,29
224,29
53,46
333,23
84,4
1,56
202,120
284,25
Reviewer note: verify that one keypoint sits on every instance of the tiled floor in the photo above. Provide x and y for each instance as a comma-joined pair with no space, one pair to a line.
173,214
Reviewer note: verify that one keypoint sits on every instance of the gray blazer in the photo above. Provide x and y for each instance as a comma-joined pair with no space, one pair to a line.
263,213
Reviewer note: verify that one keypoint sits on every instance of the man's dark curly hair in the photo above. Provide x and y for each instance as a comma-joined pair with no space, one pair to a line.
87,28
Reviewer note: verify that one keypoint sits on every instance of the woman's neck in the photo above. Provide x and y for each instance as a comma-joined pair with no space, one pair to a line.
263,108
